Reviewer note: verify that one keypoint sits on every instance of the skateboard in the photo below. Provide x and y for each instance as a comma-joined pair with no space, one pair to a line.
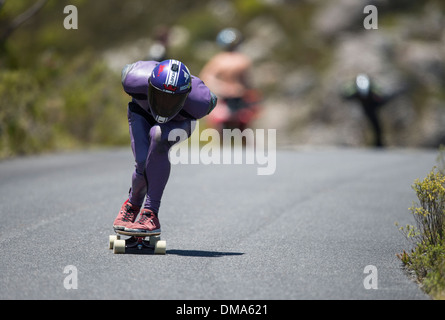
136,241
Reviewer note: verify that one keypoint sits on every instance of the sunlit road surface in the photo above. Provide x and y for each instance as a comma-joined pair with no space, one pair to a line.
320,227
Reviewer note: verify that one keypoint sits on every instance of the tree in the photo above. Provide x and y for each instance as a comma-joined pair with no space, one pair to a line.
20,19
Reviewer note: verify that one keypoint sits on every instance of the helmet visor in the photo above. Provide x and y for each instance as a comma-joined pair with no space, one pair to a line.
165,104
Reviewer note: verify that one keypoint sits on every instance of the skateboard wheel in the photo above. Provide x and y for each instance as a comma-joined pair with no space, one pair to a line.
154,239
119,246
111,240
160,247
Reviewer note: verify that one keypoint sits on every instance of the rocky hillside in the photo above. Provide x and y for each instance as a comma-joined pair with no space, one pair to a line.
405,57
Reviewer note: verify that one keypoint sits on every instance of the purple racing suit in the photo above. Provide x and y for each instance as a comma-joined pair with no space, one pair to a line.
149,139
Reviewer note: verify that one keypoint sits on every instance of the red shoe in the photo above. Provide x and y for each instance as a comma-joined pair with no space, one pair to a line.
148,223
126,216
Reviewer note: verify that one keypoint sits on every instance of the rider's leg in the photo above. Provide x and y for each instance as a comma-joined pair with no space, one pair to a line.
158,165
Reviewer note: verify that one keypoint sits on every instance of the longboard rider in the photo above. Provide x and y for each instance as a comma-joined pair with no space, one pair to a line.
165,96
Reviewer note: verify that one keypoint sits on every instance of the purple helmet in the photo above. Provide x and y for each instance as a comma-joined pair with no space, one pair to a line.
168,87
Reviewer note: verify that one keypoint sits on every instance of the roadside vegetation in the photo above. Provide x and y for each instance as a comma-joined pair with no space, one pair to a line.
426,261
49,110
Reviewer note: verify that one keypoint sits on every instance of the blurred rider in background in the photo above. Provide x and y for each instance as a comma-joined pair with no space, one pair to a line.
227,75
371,99
158,50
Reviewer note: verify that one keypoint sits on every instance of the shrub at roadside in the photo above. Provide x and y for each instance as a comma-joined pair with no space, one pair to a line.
71,105
427,260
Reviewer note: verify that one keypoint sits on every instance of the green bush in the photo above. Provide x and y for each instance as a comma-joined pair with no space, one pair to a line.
427,260
22,123
59,107
94,105
430,214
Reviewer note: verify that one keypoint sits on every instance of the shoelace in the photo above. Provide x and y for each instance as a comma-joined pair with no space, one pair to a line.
145,217
128,214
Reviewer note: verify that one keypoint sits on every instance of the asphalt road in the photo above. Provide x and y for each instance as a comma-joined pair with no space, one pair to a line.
309,231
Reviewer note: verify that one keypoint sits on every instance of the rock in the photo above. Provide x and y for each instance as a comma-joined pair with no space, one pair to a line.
338,16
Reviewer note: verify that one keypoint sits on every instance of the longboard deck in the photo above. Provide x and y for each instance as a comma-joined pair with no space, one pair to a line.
136,234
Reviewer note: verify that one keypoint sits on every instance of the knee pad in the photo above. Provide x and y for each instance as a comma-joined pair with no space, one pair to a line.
158,140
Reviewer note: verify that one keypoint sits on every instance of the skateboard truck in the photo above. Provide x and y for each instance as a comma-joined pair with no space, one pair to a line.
136,240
